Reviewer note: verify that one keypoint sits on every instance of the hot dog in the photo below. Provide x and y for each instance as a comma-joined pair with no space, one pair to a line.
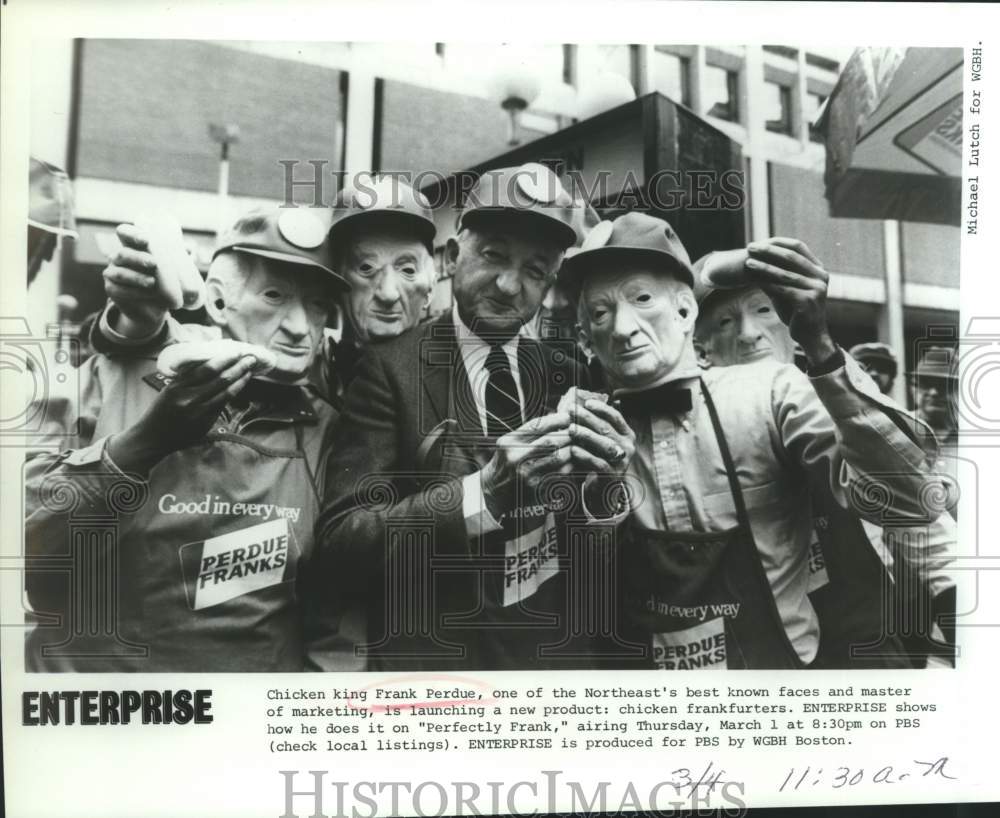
178,357
723,269
177,275
577,395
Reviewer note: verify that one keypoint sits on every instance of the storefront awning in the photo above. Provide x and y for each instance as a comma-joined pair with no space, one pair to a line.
893,132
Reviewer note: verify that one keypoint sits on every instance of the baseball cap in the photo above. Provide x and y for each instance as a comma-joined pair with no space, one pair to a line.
633,237
50,199
383,201
530,190
295,235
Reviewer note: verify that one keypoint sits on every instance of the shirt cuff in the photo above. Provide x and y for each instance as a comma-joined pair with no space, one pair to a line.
94,475
846,390
478,519
116,338
95,454
831,364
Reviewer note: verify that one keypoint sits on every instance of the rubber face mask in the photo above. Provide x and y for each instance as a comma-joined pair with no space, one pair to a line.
637,326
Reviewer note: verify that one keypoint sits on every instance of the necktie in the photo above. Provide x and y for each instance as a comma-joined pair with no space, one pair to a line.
503,409
665,399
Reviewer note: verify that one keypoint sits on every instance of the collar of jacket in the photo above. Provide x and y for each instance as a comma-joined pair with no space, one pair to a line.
280,402
443,374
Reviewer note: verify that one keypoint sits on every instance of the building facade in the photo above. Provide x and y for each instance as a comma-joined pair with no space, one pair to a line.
135,134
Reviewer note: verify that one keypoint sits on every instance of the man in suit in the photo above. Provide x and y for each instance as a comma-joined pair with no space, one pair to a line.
441,503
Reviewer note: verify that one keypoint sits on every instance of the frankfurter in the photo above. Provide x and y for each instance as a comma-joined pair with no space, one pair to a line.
723,269
175,358
178,278
577,395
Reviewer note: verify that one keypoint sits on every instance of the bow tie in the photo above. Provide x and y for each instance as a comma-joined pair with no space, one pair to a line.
667,399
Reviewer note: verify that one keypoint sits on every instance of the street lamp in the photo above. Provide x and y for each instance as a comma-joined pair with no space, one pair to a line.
225,135
515,86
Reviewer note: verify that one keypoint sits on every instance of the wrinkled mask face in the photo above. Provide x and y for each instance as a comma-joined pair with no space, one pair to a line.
742,327
501,273
637,323
391,278
283,307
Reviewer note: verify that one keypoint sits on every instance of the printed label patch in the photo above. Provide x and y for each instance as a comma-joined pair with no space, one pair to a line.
237,563
702,647
653,604
530,560
817,567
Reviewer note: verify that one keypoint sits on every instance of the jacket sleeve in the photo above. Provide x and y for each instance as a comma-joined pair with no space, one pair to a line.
858,443
67,470
372,494
68,473
105,339
927,550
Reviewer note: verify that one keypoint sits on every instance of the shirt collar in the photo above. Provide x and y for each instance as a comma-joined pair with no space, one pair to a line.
467,339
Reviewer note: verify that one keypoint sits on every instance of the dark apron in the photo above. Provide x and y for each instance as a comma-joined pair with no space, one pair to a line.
215,589
702,600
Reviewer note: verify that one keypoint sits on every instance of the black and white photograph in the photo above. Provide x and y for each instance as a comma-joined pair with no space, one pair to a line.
429,359
645,381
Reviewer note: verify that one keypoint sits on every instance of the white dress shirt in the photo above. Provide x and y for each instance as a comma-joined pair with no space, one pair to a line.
475,351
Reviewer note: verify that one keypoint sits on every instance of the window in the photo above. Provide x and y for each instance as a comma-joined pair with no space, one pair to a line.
672,76
814,104
618,59
721,90
778,108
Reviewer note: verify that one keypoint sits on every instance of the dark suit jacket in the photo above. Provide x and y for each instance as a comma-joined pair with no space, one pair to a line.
392,525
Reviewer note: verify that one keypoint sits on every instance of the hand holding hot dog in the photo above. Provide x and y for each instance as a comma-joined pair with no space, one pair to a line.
150,274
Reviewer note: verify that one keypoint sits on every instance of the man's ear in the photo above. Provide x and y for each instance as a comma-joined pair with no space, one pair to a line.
429,269
215,302
451,251
687,309
704,355
583,340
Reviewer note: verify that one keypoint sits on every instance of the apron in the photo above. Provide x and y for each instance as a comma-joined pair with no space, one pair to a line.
702,600
210,562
